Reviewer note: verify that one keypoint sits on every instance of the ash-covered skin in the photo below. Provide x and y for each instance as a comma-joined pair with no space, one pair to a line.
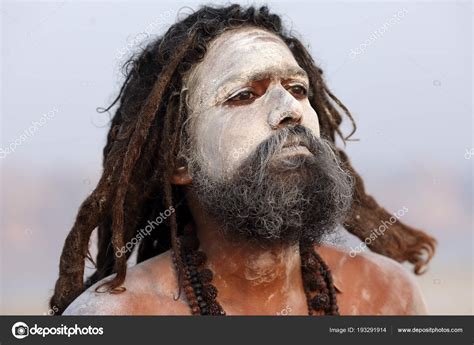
233,62
371,284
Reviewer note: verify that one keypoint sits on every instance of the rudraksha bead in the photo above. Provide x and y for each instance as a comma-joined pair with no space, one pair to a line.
205,276
320,302
198,258
209,292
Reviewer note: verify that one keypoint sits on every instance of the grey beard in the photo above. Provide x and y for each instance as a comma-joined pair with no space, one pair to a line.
273,200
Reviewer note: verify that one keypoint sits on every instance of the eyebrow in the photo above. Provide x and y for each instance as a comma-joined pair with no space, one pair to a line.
285,73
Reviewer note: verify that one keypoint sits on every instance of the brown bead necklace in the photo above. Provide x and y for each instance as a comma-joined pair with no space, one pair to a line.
202,295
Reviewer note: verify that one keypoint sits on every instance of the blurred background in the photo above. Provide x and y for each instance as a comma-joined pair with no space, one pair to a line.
404,69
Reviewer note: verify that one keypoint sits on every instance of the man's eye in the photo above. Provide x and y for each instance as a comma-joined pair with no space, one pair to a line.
298,90
242,96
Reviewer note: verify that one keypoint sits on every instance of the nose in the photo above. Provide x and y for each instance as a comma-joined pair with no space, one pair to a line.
285,109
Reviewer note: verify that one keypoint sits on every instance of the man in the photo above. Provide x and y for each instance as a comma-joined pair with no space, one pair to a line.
221,163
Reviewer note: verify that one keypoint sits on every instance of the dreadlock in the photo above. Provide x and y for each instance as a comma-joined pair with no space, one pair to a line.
143,143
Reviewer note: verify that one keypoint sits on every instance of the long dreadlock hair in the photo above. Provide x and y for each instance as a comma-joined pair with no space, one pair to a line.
143,142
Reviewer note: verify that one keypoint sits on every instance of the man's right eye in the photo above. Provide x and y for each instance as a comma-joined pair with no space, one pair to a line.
245,96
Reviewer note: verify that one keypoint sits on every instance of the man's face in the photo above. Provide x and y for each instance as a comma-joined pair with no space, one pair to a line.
248,86
257,164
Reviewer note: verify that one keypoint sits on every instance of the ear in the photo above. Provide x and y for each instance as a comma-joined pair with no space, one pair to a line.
181,176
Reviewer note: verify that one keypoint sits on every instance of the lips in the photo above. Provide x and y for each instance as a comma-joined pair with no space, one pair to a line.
294,142
294,149
294,146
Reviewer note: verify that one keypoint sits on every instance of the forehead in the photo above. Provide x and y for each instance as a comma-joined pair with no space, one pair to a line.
242,52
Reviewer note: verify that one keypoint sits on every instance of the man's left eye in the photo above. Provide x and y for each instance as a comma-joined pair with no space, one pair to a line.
298,90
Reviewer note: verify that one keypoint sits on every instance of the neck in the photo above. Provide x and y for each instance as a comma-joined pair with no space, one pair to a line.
246,271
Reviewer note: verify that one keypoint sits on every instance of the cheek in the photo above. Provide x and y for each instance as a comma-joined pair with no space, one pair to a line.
226,136
310,118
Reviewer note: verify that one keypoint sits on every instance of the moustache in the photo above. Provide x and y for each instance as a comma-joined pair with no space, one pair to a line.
284,138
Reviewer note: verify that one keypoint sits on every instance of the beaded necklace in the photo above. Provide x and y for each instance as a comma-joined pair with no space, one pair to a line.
201,294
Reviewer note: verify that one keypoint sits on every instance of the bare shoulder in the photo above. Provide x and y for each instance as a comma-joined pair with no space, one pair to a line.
150,288
373,284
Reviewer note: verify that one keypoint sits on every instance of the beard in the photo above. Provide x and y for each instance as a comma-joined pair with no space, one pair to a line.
274,198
